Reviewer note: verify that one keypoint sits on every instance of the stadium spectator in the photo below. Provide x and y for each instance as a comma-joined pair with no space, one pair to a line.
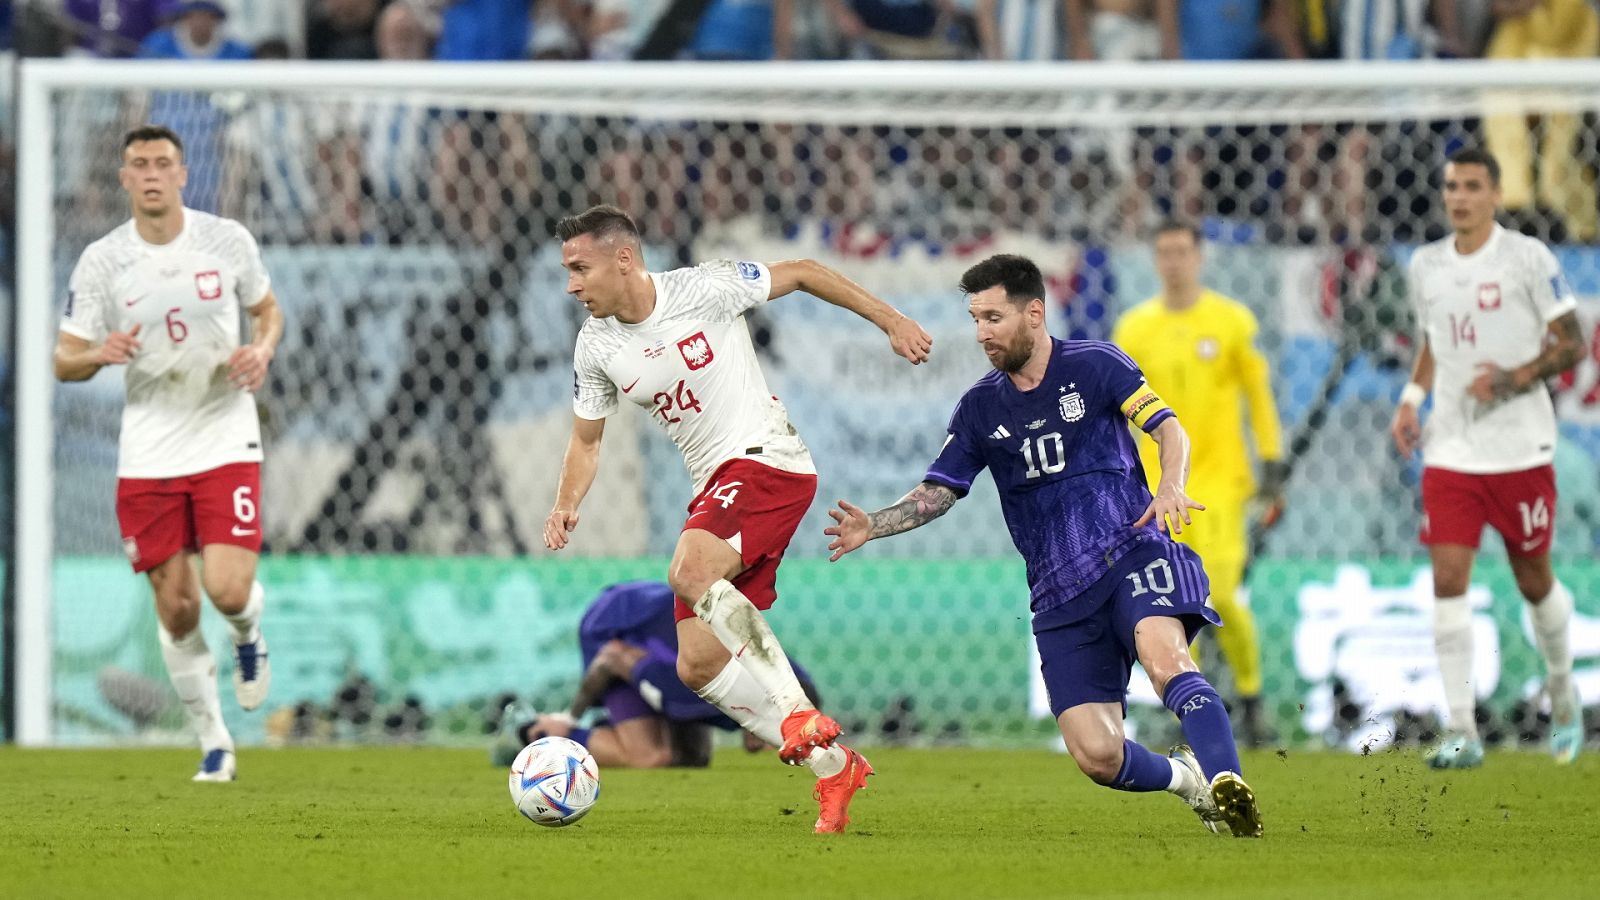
899,29
1122,30
481,30
1229,30
113,29
745,31
556,32
1032,30
616,29
1560,198
196,33
342,29
402,34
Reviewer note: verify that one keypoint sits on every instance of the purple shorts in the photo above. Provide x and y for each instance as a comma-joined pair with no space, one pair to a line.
1089,661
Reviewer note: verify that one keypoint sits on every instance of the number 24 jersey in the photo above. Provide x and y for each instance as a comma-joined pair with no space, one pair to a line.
690,365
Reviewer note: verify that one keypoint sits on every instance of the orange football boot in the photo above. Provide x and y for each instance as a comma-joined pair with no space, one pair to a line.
834,793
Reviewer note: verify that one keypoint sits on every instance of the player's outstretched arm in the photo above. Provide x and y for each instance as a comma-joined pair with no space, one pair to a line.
905,335
1170,506
247,367
78,360
1406,427
578,468
854,526
1563,349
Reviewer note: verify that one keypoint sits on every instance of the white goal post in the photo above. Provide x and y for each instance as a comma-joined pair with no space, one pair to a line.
966,97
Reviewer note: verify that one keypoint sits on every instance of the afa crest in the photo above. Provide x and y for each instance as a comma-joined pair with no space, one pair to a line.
1072,406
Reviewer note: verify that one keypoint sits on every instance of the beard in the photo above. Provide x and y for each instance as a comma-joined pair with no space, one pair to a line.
1014,355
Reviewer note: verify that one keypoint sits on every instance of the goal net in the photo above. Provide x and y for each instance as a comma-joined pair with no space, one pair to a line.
418,407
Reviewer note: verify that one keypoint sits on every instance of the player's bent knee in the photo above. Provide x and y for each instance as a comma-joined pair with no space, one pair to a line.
688,582
648,757
695,672
1101,763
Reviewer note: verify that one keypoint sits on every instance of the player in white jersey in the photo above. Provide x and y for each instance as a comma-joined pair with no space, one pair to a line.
161,294
1497,318
675,344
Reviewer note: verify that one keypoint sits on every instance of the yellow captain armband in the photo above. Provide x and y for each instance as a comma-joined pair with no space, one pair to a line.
1143,405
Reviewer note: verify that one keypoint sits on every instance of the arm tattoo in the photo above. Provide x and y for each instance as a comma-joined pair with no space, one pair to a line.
1560,354
1564,352
926,502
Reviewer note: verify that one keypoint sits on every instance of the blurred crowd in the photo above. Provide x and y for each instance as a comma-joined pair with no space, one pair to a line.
1322,182
753,30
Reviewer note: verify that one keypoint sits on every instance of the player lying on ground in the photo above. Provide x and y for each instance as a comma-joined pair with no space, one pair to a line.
676,344
161,294
630,661
1497,318
1108,584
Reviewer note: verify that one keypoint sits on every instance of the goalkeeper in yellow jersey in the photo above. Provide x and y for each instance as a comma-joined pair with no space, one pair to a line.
1197,349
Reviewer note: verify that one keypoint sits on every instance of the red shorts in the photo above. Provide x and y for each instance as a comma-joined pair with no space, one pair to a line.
756,508
1520,505
162,516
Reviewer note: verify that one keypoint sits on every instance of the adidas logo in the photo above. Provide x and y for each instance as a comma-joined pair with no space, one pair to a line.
999,433
1161,601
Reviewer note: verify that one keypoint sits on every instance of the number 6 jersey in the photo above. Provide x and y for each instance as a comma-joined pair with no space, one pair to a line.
1494,305
691,366
182,415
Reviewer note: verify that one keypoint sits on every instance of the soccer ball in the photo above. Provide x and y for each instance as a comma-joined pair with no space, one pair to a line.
554,781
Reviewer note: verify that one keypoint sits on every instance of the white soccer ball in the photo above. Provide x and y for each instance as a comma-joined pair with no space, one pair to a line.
554,781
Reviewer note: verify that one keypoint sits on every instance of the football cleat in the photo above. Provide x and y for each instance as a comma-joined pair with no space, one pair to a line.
803,731
514,720
834,793
1236,804
217,765
1457,751
1194,790
252,673
1566,728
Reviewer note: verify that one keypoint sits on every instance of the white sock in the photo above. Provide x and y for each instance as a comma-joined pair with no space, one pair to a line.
744,631
245,623
194,676
1180,774
737,693
1452,640
1552,620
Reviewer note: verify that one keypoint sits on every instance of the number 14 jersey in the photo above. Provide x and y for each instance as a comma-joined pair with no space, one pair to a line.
1494,305
691,366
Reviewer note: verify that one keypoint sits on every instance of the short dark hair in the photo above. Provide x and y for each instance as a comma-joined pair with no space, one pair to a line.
152,133
1168,226
600,221
1477,156
1017,274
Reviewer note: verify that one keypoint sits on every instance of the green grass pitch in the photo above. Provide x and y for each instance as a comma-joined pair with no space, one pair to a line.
400,823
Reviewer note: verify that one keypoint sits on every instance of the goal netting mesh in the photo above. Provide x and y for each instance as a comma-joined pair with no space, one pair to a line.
417,410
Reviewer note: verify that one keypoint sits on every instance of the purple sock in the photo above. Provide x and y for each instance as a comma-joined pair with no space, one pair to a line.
581,735
1142,770
1205,722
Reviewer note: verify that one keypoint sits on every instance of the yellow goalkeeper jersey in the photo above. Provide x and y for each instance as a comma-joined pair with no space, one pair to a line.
1203,361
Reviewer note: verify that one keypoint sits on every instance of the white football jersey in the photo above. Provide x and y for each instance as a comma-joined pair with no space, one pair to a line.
1492,306
690,365
182,416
